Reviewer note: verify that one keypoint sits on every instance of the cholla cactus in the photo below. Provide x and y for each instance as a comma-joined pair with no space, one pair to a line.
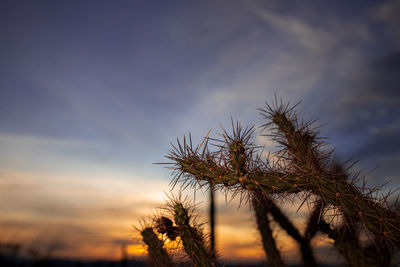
192,237
178,224
302,167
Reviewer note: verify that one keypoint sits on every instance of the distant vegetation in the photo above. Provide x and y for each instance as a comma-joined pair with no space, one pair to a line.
343,208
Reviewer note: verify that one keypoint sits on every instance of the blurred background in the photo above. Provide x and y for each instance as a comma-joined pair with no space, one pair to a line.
92,93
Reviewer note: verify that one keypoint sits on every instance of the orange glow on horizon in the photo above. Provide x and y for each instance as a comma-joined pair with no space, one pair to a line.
94,218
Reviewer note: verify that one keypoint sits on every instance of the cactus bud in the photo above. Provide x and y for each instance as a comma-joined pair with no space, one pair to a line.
162,224
165,226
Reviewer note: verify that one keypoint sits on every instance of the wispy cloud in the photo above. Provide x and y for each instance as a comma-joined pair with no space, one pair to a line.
388,13
78,209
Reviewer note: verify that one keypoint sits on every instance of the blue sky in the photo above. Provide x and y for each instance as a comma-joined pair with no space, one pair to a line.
95,91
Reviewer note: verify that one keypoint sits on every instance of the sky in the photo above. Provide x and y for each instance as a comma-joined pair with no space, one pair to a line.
92,93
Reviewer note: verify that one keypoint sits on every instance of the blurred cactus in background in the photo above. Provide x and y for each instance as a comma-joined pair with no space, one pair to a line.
158,254
301,168
179,224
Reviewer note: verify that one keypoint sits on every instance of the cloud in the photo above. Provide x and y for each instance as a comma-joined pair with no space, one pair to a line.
390,62
361,115
311,38
283,52
387,12
316,38
372,100
75,210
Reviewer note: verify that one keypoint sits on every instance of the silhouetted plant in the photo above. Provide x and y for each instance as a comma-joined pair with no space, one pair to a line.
155,247
301,166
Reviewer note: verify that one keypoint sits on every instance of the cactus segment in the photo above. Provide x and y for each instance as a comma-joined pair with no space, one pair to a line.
305,246
261,212
158,255
237,157
192,238
348,245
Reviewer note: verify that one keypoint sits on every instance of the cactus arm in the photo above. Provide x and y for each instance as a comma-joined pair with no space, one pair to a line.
345,239
273,255
266,181
313,220
158,255
239,157
286,224
381,255
302,150
337,192
345,196
300,144
192,238
348,245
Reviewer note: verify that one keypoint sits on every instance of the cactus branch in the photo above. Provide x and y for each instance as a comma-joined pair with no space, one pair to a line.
192,237
345,196
348,245
284,222
302,148
331,187
313,220
273,255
